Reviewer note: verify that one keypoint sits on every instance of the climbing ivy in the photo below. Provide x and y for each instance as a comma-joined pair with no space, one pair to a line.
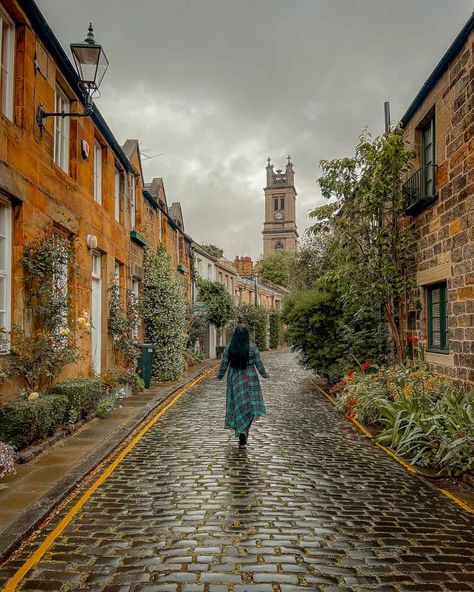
123,325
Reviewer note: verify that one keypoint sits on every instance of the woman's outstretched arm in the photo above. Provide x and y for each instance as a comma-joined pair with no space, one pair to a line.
259,364
224,364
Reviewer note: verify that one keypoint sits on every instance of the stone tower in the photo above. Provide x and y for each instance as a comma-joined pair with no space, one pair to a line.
279,228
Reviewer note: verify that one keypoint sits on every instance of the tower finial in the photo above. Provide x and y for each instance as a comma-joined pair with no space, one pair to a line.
269,161
289,159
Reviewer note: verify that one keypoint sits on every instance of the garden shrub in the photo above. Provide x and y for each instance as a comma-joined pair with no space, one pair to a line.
163,307
275,328
23,421
420,415
313,320
82,394
255,317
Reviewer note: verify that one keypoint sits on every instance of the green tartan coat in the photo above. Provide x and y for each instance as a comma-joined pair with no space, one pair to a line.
244,400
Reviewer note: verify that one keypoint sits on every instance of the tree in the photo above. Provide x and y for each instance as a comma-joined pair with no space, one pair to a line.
277,267
214,250
163,308
220,308
371,248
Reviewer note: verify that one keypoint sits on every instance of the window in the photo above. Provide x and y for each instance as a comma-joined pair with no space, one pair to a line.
117,195
279,245
61,131
209,271
428,157
97,172
7,56
5,267
278,202
437,318
133,203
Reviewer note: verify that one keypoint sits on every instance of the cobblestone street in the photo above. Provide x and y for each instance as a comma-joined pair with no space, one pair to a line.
310,504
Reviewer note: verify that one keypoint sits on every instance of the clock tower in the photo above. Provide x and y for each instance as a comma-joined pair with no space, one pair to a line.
279,228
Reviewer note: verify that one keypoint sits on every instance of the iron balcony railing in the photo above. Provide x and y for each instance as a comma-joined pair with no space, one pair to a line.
420,190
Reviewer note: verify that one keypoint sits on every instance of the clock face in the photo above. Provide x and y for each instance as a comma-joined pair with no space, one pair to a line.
279,215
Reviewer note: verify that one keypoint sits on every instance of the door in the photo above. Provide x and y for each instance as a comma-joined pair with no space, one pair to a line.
96,314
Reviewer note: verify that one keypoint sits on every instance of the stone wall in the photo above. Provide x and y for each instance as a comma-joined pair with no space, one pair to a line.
445,231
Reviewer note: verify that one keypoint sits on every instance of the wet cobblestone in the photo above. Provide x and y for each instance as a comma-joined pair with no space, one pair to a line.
309,505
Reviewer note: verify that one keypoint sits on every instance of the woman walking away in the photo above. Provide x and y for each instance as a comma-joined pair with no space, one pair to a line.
244,400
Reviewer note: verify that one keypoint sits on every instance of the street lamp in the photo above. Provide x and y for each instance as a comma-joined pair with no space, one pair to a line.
91,63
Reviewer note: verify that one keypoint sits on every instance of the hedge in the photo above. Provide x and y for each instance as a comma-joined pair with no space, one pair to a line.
275,328
83,395
24,422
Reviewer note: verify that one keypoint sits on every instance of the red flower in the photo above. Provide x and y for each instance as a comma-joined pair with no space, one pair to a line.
365,365
350,374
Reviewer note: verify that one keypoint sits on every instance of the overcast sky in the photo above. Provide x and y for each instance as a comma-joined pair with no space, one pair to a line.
217,86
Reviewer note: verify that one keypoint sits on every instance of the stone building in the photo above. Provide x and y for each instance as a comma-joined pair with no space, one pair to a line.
439,197
279,228
73,178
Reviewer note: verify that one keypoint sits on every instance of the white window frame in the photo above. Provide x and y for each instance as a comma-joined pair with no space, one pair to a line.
61,130
7,68
133,202
117,194
6,273
97,172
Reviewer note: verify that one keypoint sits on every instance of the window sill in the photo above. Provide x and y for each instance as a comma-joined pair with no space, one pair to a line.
438,357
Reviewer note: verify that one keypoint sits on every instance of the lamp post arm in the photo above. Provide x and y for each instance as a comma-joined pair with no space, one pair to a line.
42,115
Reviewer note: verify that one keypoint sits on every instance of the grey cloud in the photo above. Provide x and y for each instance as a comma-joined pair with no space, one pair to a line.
219,85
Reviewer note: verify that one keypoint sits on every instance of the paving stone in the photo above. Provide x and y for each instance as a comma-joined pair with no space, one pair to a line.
309,504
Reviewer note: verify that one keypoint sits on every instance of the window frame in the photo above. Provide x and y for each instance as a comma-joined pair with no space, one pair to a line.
9,67
133,202
117,179
97,172
61,129
428,174
6,274
443,347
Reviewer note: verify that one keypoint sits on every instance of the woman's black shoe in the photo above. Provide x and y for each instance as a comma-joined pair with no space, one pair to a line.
242,439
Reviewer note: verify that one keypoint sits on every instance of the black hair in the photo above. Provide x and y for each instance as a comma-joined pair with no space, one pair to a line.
239,348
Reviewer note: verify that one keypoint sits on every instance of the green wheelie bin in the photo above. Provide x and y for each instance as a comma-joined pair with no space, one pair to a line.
145,362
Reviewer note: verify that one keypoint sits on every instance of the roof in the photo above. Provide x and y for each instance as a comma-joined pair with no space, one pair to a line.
200,249
439,70
52,45
155,188
129,149
176,214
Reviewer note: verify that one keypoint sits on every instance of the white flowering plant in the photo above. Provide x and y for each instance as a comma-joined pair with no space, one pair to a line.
163,307
7,460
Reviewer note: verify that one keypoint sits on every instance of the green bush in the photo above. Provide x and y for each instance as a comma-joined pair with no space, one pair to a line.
82,394
275,328
23,422
256,319
313,320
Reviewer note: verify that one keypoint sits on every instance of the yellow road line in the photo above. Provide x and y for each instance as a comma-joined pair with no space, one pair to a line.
400,460
12,583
